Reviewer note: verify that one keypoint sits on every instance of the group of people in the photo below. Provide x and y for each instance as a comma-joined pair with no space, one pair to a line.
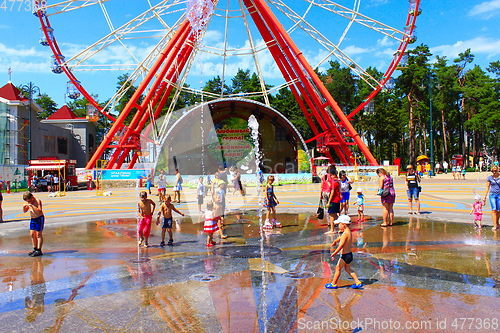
52,182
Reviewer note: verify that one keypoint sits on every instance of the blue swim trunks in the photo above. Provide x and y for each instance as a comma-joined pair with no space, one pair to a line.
167,223
37,223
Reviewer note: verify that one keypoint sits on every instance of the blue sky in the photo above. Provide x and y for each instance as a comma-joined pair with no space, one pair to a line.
447,27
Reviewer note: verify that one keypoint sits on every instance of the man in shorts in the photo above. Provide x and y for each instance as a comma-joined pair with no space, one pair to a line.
34,206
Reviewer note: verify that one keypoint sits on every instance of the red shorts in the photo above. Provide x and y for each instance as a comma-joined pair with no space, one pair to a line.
144,227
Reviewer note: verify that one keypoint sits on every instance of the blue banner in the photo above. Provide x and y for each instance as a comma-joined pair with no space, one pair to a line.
124,174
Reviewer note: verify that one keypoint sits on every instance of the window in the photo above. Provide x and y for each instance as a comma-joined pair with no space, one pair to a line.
49,144
62,145
280,133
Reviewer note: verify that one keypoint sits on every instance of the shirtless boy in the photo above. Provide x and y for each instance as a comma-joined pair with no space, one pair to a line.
345,244
34,206
146,210
166,209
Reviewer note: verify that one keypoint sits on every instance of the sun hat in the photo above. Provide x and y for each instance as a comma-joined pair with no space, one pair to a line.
359,190
343,219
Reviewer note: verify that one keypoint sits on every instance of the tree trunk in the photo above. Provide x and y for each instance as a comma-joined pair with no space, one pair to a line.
411,143
445,142
424,140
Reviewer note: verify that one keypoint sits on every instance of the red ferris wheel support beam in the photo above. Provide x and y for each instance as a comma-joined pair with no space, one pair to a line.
301,67
275,26
290,75
133,101
131,135
163,93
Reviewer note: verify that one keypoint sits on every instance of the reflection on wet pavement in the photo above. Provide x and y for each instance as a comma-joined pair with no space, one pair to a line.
94,277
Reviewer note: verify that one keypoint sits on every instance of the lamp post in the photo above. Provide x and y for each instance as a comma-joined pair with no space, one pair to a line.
430,119
30,90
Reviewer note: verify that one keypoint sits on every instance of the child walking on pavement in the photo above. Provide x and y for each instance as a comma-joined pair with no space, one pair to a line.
360,202
345,244
166,209
146,208
34,206
477,209
270,202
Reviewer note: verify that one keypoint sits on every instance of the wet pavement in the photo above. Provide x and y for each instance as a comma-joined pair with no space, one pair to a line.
419,276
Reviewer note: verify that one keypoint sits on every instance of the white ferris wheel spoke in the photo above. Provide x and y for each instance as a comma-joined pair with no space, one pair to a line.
224,54
77,61
327,44
254,54
142,69
66,6
359,18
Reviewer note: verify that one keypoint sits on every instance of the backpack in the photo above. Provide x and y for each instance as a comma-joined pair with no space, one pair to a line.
181,180
340,184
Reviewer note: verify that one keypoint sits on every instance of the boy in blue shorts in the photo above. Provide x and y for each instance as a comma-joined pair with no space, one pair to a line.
166,209
34,206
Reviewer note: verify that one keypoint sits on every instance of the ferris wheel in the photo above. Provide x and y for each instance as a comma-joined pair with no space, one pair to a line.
169,47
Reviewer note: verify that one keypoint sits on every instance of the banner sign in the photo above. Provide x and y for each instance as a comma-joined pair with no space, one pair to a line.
133,174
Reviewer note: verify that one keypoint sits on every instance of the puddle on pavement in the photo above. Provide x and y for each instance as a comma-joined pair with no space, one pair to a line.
93,267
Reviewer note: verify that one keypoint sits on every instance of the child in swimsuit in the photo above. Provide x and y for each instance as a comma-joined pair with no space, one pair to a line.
166,209
360,203
210,224
270,202
345,244
146,209
477,209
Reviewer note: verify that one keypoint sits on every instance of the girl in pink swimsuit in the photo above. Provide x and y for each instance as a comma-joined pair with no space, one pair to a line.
477,209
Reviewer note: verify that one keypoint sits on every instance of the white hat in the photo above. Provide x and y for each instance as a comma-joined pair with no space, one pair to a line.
359,190
343,219
477,197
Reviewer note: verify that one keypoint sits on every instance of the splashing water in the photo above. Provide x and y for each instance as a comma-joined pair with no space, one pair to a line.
253,124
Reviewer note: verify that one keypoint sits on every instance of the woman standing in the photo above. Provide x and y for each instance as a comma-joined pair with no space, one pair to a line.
177,186
412,188
493,188
386,182
326,188
345,191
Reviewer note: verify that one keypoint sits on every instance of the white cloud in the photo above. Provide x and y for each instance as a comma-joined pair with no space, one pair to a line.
355,50
384,42
480,45
487,9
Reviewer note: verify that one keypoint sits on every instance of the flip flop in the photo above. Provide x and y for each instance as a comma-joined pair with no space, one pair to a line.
385,225
331,286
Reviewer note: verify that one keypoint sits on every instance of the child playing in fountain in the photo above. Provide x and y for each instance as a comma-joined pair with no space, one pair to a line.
201,193
360,203
210,225
146,209
345,244
166,209
34,206
477,209
270,202
218,213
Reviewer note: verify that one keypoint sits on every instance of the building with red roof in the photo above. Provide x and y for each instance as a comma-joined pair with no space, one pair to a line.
62,135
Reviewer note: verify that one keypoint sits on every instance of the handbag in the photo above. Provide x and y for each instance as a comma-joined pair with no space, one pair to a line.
320,213
385,192
420,189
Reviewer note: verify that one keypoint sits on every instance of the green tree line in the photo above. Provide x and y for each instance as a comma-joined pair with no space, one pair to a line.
463,97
